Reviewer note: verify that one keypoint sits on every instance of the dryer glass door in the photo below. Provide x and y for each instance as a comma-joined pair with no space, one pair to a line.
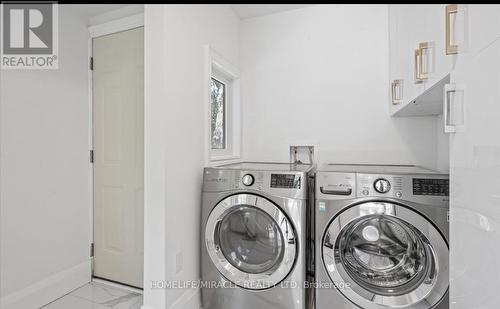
251,241
389,256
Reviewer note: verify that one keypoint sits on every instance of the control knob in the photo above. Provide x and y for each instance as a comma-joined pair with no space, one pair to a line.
247,180
382,185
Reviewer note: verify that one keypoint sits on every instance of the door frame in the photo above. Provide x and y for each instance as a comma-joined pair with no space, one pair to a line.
95,31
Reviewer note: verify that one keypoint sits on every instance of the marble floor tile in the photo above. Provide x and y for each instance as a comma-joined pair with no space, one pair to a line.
98,296
101,293
72,302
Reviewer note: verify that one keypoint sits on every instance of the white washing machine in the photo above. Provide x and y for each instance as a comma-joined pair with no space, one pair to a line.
254,236
381,237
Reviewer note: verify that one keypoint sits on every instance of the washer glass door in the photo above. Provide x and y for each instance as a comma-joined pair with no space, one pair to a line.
388,254
250,241
384,254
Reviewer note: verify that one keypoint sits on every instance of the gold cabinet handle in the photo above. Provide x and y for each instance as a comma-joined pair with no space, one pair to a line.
423,72
397,91
450,10
418,62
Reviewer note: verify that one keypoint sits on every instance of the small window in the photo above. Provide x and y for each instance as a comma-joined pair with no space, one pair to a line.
218,114
223,107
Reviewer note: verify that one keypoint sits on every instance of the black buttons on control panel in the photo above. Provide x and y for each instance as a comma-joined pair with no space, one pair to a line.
435,187
285,181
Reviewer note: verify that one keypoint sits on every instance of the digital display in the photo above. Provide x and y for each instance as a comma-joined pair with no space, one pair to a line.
426,186
285,181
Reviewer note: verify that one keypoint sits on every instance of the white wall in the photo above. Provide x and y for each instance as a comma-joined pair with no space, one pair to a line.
319,75
155,111
175,138
443,146
45,175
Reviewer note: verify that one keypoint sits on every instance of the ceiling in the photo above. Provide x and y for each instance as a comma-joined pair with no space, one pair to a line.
245,11
90,10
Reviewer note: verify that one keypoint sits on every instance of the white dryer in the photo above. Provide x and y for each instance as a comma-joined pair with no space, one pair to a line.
381,237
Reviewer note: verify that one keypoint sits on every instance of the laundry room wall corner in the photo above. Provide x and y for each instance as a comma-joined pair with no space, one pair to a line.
175,36
154,152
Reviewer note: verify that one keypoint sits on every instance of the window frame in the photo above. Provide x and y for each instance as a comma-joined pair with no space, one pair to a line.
222,70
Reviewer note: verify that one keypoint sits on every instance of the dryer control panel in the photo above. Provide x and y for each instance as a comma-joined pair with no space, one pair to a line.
279,183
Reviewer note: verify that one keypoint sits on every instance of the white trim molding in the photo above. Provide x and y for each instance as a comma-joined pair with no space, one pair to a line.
189,299
118,285
47,290
216,63
122,24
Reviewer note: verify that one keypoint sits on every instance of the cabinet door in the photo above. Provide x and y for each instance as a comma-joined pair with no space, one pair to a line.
478,26
439,64
482,26
395,55
475,184
410,33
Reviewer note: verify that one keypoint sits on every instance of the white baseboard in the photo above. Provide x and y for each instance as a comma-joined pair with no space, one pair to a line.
49,289
118,285
188,300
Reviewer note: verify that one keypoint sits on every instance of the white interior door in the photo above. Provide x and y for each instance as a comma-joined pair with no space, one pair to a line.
118,85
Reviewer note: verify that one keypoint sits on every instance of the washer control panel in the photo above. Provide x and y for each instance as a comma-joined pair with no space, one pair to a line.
431,189
380,185
419,188
435,187
335,186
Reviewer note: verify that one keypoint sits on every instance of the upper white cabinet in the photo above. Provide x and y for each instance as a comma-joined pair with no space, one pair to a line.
418,58
475,27
438,63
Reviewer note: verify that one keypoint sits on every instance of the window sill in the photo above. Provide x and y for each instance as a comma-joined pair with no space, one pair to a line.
227,159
